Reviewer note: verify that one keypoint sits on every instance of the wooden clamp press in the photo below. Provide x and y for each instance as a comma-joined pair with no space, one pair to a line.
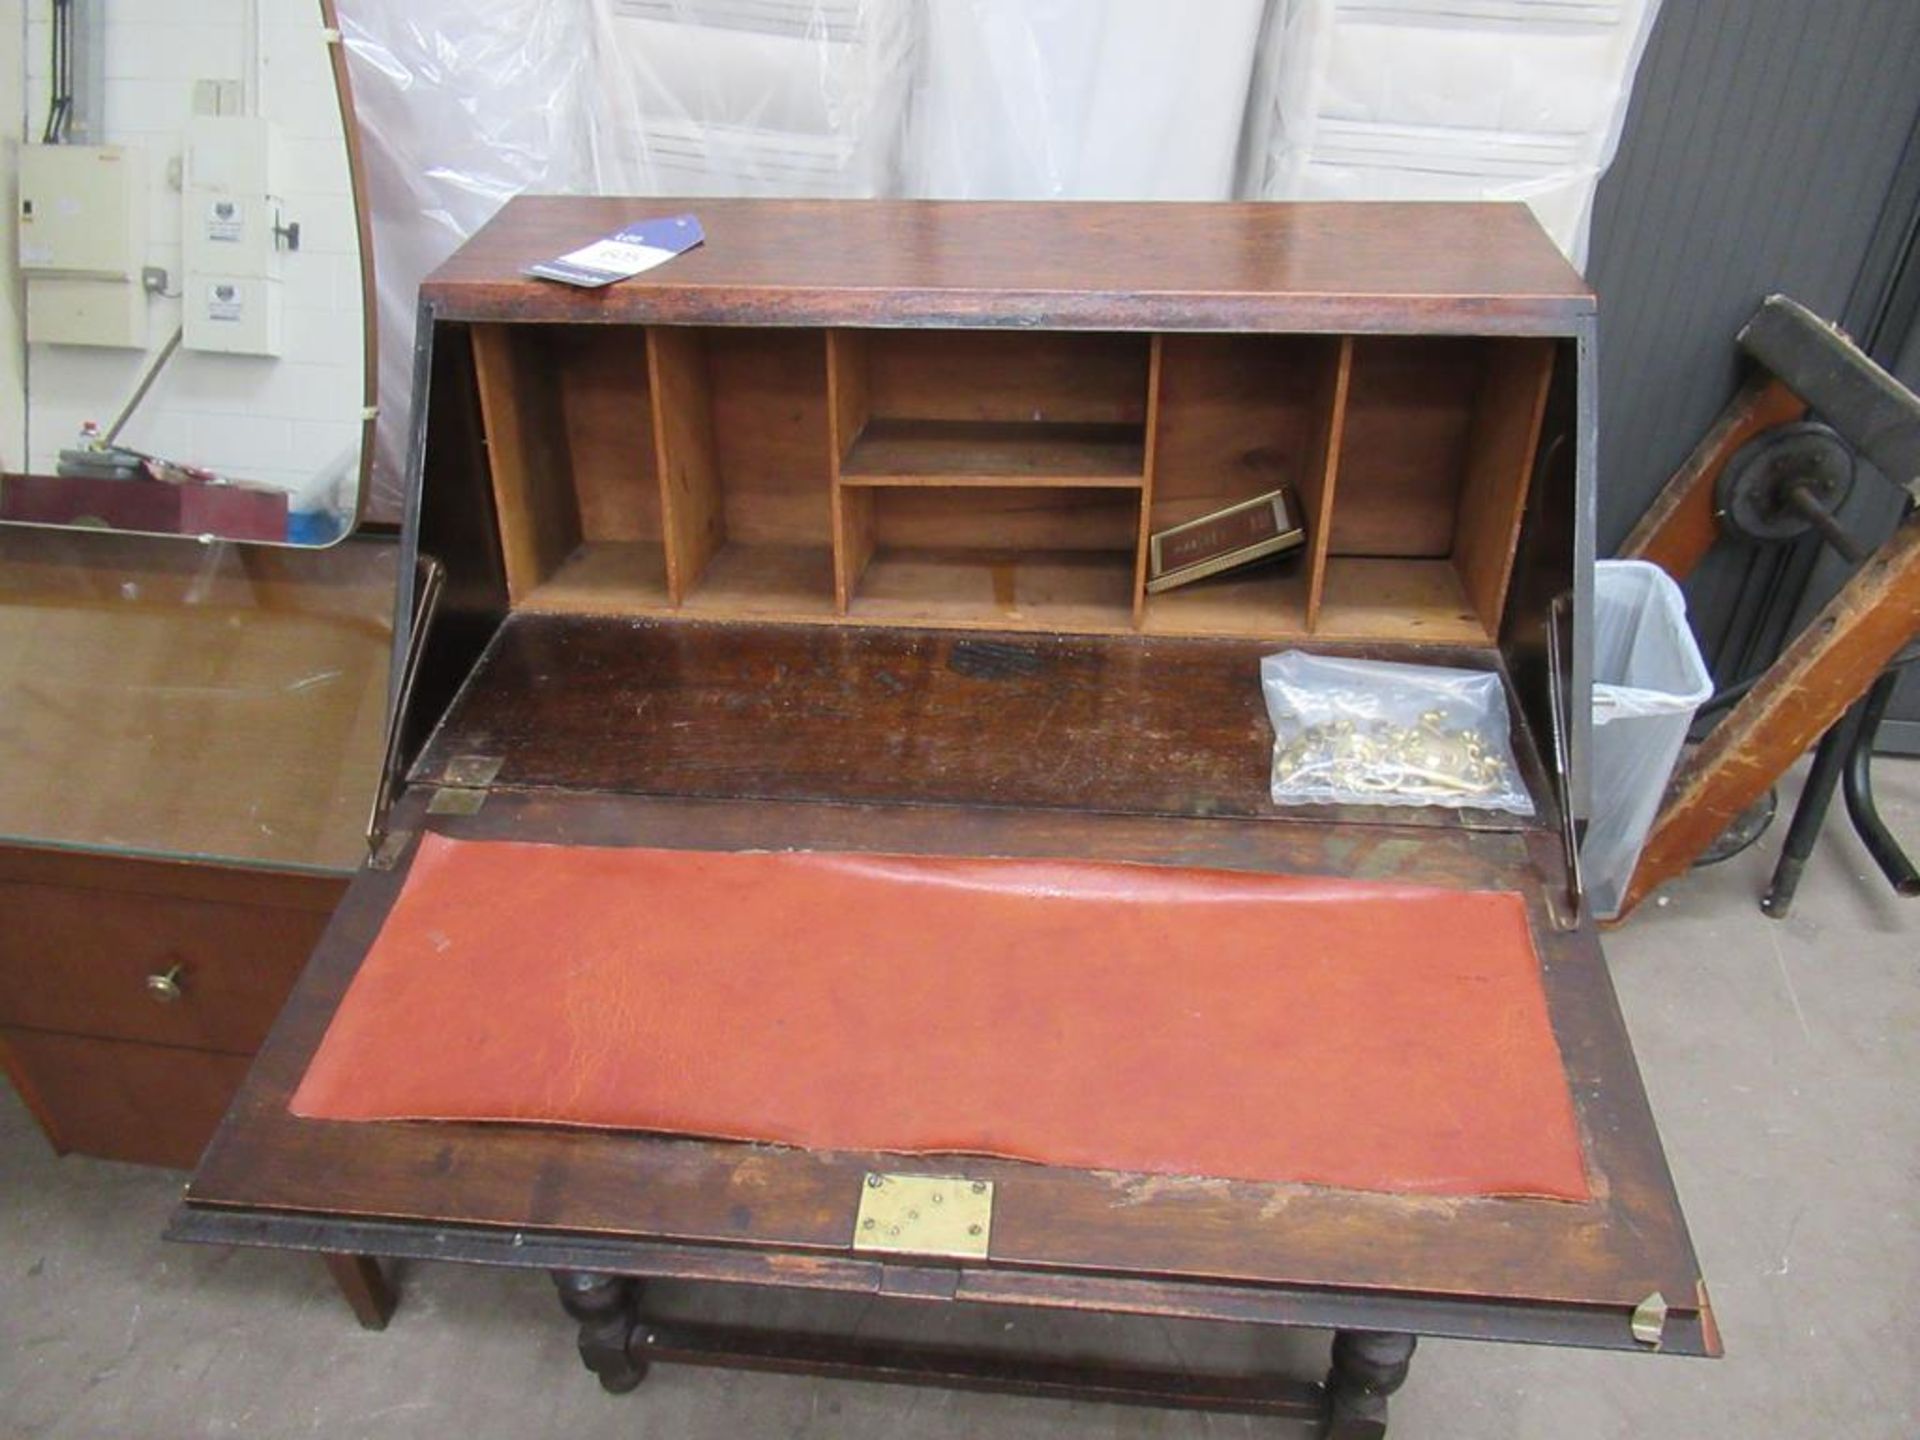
1806,364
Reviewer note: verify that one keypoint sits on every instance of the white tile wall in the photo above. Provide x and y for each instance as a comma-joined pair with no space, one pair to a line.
280,420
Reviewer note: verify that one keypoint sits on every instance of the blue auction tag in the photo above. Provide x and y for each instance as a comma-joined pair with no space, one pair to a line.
625,253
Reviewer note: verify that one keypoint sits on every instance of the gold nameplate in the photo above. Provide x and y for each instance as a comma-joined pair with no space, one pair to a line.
1225,540
925,1215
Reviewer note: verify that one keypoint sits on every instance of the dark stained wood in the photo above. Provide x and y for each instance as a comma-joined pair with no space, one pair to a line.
1464,269
1592,1327
149,1104
802,712
365,1288
1679,527
619,1342
1803,693
1609,1252
607,1308
1368,1366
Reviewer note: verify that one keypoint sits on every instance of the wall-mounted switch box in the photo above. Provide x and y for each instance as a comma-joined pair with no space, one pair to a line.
82,211
229,234
231,292
231,314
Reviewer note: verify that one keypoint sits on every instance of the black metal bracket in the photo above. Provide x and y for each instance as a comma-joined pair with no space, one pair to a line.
1844,757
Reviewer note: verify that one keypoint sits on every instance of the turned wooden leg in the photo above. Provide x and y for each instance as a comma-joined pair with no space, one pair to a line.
608,1309
1368,1366
365,1287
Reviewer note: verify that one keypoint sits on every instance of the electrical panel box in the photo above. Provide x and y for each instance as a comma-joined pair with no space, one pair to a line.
82,211
232,243
231,314
82,234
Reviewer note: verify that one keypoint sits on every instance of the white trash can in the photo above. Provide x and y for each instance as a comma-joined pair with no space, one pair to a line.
1648,680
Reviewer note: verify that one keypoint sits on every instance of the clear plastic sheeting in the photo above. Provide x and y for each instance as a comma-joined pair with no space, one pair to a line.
758,97
464,103
1648,680
1069,100
1446,100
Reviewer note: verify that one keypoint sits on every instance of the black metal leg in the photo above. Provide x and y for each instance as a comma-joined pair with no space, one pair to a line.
1857,785
1829,758
608,1309
1368,1366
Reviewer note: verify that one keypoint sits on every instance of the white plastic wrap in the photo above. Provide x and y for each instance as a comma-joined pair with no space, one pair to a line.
1648,680
1370,732
1081,99
757,97
1446,100
464,103
461,105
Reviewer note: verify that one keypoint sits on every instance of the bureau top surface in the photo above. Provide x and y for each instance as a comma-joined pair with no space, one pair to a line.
1340,267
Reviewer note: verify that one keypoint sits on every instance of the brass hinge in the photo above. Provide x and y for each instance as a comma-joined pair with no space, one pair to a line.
392,846
463,785
1649,1321
925,1215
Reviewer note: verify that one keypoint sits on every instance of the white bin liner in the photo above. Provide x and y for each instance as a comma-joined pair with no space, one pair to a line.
1648,680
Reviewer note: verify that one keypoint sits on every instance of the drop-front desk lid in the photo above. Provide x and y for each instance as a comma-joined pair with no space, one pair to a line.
650,735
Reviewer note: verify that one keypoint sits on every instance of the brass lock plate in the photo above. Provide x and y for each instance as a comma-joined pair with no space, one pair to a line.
925,1215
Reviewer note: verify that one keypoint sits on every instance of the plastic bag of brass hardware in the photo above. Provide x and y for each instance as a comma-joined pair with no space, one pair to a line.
1368,732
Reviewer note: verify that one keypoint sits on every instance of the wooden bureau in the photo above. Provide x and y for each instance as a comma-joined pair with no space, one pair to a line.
831,535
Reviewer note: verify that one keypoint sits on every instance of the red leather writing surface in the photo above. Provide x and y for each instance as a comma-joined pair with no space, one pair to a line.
1123,1017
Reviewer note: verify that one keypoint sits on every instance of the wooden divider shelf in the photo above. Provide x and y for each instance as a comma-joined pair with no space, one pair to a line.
995,453
1008,479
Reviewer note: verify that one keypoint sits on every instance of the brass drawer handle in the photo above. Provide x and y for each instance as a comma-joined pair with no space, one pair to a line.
165,987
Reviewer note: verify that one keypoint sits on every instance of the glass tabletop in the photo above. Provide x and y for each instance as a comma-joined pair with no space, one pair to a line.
192,701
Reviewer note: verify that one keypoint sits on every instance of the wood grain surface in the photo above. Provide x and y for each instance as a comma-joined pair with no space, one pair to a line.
1391,267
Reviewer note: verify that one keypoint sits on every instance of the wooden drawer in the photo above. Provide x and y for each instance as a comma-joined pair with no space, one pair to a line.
76,959
150,1104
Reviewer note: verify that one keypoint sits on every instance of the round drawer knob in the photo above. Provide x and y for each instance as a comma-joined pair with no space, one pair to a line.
165,987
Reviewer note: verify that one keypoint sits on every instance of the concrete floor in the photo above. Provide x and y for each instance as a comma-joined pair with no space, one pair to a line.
1778,1055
